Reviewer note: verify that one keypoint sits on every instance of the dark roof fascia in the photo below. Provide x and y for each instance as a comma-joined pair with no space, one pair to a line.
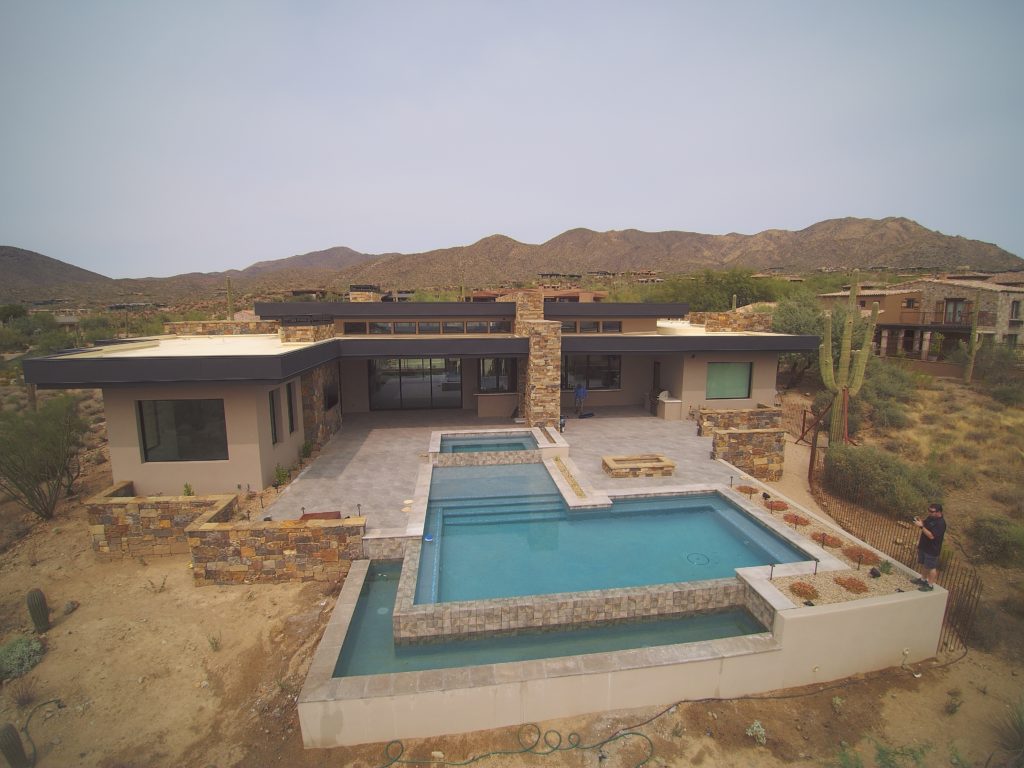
371,310
434,346
609,344
556,310
63,371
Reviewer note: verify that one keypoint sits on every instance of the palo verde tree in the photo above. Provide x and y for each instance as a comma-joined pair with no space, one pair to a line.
840,382
39,454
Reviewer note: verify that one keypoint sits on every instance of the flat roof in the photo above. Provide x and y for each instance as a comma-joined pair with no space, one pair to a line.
298,311
265,359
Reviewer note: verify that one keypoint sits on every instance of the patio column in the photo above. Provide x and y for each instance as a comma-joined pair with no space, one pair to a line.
540,392
883,342
926,341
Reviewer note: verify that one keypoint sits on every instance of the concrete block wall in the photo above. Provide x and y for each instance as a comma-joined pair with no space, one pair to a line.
220,327
758,452
124,525
247,552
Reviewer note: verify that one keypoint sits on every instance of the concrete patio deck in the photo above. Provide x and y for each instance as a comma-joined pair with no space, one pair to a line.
370,466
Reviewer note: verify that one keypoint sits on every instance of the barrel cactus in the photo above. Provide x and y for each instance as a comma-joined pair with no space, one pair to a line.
38,610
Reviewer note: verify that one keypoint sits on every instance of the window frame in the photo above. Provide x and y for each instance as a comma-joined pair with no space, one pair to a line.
289,390
591,364
151,438
708,379
510,367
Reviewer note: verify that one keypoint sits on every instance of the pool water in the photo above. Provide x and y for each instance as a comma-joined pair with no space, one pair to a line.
505,441
369,648
506,532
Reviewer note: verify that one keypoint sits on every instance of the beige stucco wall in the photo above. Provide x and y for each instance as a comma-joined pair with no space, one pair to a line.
355,386
635,380
694,387
808,645
251,457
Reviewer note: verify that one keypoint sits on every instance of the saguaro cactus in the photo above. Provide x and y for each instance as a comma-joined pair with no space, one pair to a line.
840,382
972,343
11,747
38,610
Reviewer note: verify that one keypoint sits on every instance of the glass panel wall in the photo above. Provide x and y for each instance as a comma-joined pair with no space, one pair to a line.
418,382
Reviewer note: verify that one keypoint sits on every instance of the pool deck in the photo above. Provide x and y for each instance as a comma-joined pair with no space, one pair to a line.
371,466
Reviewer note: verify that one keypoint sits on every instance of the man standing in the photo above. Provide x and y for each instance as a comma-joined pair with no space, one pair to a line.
579,395
929,547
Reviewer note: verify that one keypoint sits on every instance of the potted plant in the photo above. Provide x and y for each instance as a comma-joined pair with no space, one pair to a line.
935,346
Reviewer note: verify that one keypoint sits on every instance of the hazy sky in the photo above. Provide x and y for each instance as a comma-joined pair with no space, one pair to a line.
153,138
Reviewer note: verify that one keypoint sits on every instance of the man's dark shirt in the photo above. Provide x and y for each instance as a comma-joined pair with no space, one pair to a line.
937,527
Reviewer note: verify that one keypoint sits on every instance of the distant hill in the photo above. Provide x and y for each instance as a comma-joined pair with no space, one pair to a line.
26,273
840,244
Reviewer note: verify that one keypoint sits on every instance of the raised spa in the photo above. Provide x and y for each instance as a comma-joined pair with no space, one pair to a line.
505,531
480,443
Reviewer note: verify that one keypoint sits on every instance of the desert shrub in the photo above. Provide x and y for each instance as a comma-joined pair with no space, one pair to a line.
977,436
1008,394
1014,603
827,540
878,481
19,656
1009,496
1010,734
803,590
998,540
949,471
860,554
966,450
39,454
851,584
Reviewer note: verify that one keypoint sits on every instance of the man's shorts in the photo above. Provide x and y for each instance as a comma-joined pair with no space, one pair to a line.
928,561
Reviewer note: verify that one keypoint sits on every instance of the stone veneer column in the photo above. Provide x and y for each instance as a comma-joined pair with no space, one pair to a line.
318,423
540,386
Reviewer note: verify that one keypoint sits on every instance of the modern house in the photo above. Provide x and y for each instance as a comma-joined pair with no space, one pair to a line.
220,412
912,315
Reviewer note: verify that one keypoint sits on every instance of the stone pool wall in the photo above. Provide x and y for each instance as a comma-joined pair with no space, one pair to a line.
247,552
479,458
437,622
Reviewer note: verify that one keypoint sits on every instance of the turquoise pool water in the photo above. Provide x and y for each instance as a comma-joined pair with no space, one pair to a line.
369,649
507,441
505,531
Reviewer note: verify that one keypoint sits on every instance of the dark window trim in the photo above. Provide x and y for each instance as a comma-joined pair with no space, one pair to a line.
290,395
274,437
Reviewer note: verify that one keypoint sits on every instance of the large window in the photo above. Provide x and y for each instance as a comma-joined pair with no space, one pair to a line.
729,381
418,382
289,392
274,411
592,371
498,374
182,430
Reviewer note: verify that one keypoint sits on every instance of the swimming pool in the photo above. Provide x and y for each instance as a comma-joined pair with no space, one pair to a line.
502,441
369,648
495,532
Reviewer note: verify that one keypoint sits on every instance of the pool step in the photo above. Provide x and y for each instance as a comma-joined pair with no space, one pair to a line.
527,509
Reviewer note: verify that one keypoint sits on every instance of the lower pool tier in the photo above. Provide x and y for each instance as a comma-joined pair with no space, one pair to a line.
369,648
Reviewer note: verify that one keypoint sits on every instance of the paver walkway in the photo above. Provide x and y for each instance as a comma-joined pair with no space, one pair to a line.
370,467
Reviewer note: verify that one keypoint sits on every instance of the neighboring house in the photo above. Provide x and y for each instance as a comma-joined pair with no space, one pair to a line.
913,314
220,412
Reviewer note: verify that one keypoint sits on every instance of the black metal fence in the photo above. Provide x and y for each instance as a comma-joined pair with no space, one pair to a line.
898,539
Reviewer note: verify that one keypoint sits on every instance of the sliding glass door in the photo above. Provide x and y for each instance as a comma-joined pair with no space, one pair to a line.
415,382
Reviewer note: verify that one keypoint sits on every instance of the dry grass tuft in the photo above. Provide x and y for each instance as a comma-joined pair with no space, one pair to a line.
861,555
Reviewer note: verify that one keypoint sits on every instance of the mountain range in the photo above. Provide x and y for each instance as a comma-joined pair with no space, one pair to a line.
835,244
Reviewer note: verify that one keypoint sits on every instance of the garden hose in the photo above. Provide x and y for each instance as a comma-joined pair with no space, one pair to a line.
532,741
552,739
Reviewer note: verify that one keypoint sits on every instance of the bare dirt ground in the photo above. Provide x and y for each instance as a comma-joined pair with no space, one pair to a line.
151,671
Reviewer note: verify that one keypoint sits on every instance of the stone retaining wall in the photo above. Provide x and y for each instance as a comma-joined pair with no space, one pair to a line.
760,322
220,327
307,333
758,452
438,622
710,419
246,552
124,525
